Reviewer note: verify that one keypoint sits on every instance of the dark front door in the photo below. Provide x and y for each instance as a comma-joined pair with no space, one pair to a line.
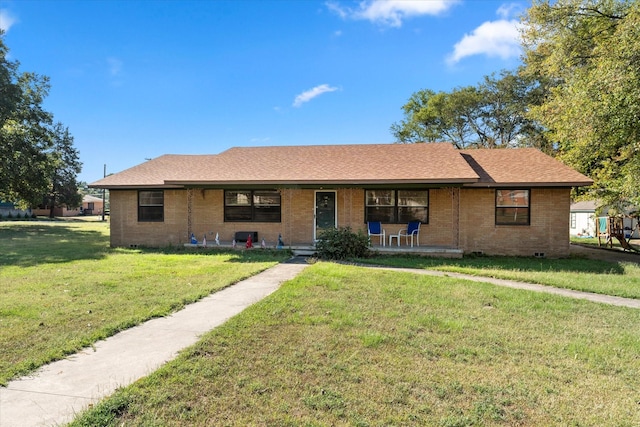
325,215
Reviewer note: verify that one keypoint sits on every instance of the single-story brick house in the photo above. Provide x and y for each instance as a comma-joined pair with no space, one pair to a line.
500,201
91,205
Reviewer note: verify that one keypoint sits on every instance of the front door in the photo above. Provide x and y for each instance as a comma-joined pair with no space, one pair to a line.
325,214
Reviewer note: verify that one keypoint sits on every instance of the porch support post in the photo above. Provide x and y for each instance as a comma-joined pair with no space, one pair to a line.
455,217
189,211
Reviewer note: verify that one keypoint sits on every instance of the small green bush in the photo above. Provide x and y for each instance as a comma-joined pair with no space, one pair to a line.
342,243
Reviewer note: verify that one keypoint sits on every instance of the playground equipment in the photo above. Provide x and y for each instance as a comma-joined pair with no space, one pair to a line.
612,227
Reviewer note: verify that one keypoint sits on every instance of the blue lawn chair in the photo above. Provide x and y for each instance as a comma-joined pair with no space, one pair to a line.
374,228
412,230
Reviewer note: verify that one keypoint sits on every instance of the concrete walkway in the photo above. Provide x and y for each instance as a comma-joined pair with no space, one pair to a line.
54,394
599,298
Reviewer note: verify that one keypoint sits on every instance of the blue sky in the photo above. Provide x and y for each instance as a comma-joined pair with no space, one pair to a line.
137,79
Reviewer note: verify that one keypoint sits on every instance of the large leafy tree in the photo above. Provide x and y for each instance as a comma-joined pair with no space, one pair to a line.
431,116
29,142
590,52
64,166
492,114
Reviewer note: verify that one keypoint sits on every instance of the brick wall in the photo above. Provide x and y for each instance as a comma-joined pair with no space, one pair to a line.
127,231
297,222
547,233
207,218
440,230
299,208
296,228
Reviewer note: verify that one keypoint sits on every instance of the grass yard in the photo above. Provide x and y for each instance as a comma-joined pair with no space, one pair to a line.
593,242
62,288
344,345
602,277
590,241
339,345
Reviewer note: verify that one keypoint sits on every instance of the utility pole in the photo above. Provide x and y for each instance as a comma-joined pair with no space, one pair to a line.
104,205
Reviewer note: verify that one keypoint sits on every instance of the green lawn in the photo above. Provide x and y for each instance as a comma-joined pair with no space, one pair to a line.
349,346
619,279
593,241
339,345
63,288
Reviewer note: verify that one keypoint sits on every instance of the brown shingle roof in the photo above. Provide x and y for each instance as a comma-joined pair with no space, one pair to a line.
337,164
521,167
155,172
372,164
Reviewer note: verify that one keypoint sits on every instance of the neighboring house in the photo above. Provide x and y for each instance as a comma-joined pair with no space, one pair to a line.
91,205
501,201
8,209
44,210
631,225
582,221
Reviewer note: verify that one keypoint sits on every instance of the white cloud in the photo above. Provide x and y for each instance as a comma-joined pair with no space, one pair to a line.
6,20
115,66
115,69
499,38
337,9
509,10
308,95
495,39
391,12
260,140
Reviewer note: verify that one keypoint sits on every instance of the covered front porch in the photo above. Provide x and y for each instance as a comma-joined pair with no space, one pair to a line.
309,250
306,212
426,251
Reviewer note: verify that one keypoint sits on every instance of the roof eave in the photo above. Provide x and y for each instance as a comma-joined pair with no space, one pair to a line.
320,183
134,186
530,184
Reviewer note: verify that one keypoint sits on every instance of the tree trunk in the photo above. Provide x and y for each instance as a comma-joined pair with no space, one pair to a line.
52,206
